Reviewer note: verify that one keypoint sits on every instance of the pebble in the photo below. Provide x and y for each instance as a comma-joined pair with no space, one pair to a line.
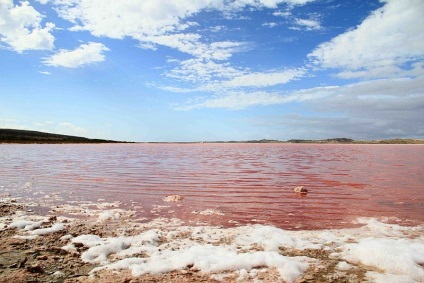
35,269
42,257
300,189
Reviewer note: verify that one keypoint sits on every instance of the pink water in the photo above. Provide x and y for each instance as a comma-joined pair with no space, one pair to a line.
248,183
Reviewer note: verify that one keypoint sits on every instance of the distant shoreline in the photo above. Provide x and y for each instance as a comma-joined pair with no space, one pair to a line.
327,141
14,136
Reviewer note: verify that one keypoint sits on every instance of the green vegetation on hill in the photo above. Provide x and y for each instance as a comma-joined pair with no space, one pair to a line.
23,136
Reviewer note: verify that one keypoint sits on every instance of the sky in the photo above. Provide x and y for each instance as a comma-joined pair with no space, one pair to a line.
208,70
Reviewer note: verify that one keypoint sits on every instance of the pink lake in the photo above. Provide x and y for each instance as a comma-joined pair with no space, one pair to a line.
240,183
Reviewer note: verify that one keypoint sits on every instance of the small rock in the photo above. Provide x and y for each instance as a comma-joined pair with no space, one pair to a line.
15,265
41,257
78,245
58,250
35,269
22,263
309,277
173,198
300,190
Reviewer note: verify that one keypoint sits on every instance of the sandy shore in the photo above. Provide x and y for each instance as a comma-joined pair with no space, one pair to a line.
109,245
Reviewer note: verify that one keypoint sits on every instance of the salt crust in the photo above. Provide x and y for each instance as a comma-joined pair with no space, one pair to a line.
396,251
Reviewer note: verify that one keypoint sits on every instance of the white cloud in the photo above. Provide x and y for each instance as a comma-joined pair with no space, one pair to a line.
21,28
217,28
270,24
190,43
386,94
203,71
85,54
241,100
157,21
384,108
217,77
45,73
264,79
133,18
307,24
386,40
271,4
284,14
237,100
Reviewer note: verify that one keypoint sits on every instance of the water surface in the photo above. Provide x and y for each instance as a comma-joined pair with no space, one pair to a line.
240,183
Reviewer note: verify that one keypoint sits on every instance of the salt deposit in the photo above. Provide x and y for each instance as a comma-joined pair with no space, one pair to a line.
173,198
243,249
377,251
55,228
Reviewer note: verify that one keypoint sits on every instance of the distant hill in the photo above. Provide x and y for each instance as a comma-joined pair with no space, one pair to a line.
351,141
23,136
334,140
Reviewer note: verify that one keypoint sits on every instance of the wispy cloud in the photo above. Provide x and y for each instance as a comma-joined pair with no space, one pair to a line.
307,24
264,79
270,24
376,94
244,99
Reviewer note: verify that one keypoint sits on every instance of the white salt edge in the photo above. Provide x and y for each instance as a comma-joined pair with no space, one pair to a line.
394,256
391,249
389,278
25,224
25,237
343,265
55,228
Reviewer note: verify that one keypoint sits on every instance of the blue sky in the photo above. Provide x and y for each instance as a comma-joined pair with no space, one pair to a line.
205,70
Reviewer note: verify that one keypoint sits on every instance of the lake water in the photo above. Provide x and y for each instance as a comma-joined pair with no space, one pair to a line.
235,183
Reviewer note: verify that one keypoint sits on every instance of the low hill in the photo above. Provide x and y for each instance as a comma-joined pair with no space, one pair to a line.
24,136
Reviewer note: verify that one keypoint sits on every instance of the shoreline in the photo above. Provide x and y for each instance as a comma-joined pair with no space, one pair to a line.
109,245
358,142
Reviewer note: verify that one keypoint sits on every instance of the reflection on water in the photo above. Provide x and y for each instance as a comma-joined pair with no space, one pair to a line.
243,182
